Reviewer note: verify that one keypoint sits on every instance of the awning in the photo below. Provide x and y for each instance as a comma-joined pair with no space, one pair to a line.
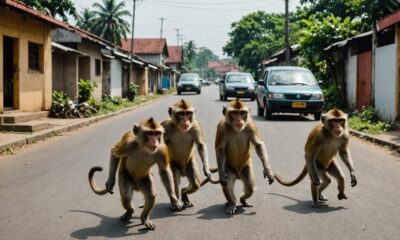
126,58
152,66
66,49
106,53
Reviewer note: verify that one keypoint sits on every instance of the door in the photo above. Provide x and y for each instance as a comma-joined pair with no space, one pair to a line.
8,72
364,79
165,82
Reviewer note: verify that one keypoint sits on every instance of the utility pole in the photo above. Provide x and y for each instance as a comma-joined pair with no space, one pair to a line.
131,55
287,45
162,23
177,35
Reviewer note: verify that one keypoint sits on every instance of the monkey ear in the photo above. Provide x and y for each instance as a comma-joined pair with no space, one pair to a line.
224,110
135,128
170,111
323,117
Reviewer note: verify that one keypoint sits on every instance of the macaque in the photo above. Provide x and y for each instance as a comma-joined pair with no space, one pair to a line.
133,156
236,134
324,142
182,132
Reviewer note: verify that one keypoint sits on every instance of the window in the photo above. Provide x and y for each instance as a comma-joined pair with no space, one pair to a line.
98,67
34,54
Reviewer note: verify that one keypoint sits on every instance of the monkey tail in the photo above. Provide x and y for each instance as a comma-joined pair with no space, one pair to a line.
295,181
212,170
92,182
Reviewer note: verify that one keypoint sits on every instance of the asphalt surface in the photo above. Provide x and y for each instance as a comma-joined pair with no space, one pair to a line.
45,193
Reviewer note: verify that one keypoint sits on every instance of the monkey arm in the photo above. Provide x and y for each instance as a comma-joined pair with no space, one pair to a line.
168,182
221,162
114,161
203,152
348,161
262,153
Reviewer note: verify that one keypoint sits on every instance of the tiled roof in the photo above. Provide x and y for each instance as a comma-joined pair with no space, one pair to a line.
175,54
145,45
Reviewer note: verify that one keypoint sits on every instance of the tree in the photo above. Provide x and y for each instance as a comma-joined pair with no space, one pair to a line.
255,37
109,23
86,20
190,51
201,59
54,7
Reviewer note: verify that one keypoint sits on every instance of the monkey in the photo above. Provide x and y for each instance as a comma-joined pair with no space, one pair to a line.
182,132
327,139
133,156
236,134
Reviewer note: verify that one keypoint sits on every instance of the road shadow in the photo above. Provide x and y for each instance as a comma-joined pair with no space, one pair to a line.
217,211
111,227
304,207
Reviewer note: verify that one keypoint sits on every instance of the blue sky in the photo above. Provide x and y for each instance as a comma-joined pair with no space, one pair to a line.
207,22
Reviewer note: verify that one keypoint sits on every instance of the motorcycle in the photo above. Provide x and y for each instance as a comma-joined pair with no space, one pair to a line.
77,110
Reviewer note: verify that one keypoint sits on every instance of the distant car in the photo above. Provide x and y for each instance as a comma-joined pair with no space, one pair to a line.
237,85
189,82
289,89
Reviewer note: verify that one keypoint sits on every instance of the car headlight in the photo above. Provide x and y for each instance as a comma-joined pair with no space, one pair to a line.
251,88
276,96
318,96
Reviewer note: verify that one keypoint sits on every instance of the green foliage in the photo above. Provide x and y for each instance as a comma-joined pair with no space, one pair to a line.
59,97
333,98
133,88
257,36
85,20
85,89
367,121
54,7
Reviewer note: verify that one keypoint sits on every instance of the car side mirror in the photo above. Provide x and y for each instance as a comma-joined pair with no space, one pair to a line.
261,82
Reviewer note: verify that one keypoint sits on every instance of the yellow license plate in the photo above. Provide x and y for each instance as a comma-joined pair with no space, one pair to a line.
299,105
240,92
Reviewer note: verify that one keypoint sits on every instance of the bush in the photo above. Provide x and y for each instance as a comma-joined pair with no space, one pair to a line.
367,121
333,98
133,90
85,90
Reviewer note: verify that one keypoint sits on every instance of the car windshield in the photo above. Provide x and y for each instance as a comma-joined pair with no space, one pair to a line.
188,78
239,78
291,77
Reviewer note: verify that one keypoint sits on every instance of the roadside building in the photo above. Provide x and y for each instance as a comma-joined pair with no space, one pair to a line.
174,62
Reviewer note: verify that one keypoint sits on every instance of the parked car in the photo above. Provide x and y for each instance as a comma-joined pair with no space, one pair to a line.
289,90
238,85
189,82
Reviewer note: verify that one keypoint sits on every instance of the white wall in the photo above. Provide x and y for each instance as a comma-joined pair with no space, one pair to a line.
116,78
351,77
385,82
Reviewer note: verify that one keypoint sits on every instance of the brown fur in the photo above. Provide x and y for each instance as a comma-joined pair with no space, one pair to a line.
325,140
133,160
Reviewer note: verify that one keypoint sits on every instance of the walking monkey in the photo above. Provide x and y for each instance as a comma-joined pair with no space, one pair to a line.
236,134
182,132
133,156
327,139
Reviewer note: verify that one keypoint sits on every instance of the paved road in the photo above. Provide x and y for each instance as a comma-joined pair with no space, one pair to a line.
45,193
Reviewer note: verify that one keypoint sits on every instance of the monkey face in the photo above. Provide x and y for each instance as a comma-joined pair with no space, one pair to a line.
184,119
152,140
238,119
337,126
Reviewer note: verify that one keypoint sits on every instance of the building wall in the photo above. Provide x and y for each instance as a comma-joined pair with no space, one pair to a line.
152,58
94,52
385,78
351,78
116,78
32,88
65,73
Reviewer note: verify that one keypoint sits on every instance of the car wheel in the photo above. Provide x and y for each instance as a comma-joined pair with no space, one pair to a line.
317,116
260,110
220,97
198,92
179,92
252,99
225,98
268,114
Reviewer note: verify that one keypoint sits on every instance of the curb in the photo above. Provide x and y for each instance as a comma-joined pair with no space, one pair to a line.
375,139
48,133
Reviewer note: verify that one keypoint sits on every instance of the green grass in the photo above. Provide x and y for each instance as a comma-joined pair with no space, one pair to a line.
367,126
115,104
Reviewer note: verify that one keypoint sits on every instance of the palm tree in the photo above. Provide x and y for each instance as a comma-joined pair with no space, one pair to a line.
86,20
109,22
190,50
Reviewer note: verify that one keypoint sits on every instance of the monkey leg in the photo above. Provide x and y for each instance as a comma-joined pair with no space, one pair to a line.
335,170
229,191
314,193
326,180
176,172
148,189
126,186
248,184
193,176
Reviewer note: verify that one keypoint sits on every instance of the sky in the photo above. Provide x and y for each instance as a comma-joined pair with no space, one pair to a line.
206,22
